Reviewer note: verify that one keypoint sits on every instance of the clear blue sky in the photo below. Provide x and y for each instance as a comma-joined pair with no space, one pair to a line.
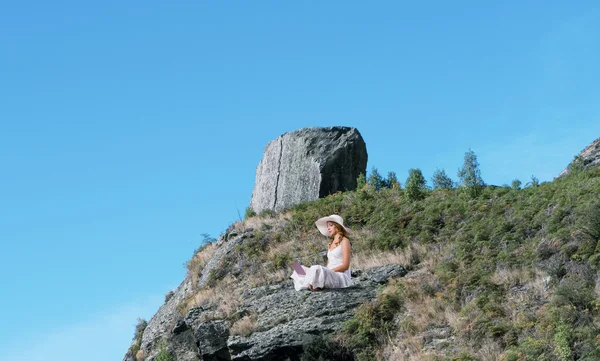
130,128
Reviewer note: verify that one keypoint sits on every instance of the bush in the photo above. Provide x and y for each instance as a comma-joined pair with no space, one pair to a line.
325,349
163,352
249,213
373,321
137,336
415,185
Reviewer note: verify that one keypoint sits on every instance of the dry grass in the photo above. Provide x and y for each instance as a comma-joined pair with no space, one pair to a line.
140,355
408,349
409,256
223,299
244,326
199,261
423,309
510,276
489,351
268,277
258,222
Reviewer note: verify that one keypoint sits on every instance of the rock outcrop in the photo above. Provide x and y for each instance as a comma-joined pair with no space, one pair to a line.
588,158
284,320
308,164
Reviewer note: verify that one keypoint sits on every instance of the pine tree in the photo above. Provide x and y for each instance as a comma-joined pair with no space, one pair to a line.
470,175
392,181
361,181
415,185
375,179
440,180
516,184
534,182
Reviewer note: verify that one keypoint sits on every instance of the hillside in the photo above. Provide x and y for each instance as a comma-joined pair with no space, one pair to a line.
512,274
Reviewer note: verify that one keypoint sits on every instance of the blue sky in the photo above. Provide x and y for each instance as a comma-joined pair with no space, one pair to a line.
129,129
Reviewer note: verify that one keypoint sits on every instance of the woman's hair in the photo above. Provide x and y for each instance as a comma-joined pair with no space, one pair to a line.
340,230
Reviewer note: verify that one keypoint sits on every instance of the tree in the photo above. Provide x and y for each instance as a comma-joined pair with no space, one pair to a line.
534,182
440,180
576,165
415,185
516,184
470,175
392,181
361,181
375,179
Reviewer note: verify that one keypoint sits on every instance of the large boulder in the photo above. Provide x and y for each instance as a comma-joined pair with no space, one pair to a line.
308,164
588,158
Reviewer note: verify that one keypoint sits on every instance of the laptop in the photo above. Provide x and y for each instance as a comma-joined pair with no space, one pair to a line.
298,268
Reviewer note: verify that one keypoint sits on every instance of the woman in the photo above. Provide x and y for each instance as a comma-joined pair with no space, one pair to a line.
337,272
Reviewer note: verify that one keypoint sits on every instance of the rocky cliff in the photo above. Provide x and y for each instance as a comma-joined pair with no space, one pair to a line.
269,322
588,158
308,164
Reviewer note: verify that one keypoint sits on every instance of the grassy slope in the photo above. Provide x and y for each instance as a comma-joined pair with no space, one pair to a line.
512,274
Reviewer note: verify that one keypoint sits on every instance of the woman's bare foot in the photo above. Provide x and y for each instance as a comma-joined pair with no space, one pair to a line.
310,287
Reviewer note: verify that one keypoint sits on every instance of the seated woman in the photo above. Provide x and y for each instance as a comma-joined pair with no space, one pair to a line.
337,272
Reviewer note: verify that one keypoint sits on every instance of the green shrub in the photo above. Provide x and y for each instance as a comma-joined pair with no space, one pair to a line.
372,322
164,355
137,337
282,260
325,349
249,213
562,339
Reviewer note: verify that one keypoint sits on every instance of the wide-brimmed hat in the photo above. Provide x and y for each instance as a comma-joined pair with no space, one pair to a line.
322,224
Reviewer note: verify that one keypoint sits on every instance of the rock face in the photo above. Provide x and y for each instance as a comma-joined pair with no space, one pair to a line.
308,164
589,157
284,320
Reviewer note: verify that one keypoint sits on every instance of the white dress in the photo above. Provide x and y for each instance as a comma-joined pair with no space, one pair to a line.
324,277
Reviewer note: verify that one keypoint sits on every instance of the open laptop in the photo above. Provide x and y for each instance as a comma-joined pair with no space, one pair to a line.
298,268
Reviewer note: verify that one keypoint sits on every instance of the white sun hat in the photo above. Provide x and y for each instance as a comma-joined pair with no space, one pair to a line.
322,224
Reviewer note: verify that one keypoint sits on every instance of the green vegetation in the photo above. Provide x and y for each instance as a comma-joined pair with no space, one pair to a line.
137,337
373,323
519,266
441,180
510,272
163,352
361,181
375,180
470,175
249,213
416,185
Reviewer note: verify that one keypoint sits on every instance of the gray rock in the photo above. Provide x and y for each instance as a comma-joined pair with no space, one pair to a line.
382,274
225,247
308,164
211,337
165,319
287,319
590,157
183,346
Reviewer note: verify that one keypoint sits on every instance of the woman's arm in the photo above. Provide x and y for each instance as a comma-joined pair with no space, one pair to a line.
345,257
